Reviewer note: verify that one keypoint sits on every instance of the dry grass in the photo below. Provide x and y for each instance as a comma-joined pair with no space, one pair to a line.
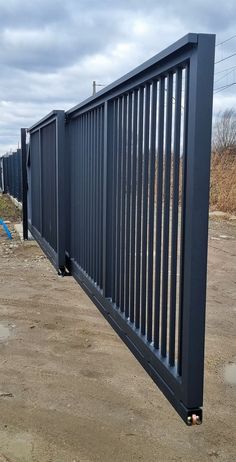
8,211
223,182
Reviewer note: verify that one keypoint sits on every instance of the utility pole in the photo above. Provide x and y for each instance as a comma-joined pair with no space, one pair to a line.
95,85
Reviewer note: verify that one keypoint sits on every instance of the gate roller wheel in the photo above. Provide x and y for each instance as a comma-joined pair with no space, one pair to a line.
194,420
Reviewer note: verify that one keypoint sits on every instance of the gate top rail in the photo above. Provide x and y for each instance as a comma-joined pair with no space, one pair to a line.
185,43
45,120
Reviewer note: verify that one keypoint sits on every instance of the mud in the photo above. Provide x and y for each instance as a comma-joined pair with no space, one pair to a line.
71,391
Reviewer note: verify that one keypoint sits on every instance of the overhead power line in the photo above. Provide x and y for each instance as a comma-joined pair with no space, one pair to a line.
224,76
227,40
217,90
224,59
225,70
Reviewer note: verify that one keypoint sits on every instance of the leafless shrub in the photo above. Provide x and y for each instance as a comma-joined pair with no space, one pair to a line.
224,132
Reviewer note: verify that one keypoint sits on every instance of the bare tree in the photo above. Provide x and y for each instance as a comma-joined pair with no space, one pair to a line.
224,133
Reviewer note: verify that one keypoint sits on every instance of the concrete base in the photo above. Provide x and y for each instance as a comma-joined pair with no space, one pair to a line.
16,203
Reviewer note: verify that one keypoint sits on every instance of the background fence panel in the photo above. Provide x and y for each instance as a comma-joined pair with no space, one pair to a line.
46,179
10,175
1,176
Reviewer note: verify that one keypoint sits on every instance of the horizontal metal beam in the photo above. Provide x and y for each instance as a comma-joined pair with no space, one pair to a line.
188,41
45,120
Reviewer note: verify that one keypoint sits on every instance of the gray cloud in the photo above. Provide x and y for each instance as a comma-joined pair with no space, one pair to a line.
31,14
210,15
51,51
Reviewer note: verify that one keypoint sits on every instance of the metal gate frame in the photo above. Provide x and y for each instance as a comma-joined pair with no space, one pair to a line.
182,385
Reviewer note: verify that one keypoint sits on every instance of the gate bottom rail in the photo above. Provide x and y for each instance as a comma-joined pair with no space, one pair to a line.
137,346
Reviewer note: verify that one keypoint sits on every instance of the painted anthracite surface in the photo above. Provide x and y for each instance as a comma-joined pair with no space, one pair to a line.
118,191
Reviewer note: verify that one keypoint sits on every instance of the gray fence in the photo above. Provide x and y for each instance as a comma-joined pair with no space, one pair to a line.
47,178
118,196
11,174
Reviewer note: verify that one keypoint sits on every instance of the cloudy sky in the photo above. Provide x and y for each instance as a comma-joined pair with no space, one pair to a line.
52,50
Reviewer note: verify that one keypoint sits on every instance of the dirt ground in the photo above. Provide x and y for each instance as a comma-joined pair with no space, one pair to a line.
71,391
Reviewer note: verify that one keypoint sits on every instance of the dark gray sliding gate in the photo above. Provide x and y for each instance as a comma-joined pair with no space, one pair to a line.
134,232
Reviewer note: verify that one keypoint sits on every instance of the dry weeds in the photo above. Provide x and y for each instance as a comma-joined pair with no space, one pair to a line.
223,182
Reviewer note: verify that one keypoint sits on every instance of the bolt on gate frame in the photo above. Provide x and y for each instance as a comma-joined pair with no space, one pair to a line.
118,192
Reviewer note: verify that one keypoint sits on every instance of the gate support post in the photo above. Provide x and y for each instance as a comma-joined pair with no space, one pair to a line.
24,184
61,179
196,205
